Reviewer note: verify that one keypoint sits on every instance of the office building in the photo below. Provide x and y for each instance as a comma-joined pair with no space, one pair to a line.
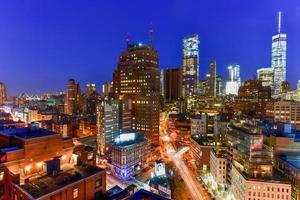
190,64
293,95
252,98
279,49
218,166
234,80
40,164
129,152
2,93
172,84
285,111
138,78
199,125
289,165
250,165
266,76
107,88
213,79
219,86
90,89
113,117
72,98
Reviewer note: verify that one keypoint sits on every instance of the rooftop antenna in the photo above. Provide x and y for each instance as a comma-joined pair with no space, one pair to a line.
127,39
279,22
151,32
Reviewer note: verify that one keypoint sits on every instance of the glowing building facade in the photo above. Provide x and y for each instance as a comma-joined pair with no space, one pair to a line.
234,80
279,48
190,64
129,152
266,76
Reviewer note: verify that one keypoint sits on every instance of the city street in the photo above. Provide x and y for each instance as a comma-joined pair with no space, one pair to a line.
196,190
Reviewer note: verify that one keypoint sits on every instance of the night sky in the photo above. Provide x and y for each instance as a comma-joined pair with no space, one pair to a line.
43,43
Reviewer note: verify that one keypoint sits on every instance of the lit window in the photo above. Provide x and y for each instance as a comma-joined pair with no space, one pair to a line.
98,183
75,193
1,176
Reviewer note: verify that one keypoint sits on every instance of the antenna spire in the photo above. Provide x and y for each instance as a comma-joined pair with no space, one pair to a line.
127,39
151,33
279,22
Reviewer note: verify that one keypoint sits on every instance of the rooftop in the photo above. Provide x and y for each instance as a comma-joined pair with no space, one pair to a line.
44,185
160,180
10,149
129,138
144,194
293,160
28,133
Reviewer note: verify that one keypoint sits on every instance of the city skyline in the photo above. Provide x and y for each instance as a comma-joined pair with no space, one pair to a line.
36,46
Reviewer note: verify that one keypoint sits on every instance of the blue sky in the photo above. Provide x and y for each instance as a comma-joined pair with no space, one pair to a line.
43,43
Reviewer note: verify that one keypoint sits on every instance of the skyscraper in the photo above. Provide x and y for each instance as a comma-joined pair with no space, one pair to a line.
172,84
90,88
219,86
190,64
137,77
72,97
2,93
107,125
234,80
212,78
266,76
279,47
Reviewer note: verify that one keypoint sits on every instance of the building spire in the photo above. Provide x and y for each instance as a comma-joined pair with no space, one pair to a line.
151,33
279,22
127,39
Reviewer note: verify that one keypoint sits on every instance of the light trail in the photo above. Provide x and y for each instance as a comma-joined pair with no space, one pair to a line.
184,172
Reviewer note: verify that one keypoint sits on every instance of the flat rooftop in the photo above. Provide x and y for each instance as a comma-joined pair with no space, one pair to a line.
160,180
129,138
28,133
44,185
10,149
293,160
144,194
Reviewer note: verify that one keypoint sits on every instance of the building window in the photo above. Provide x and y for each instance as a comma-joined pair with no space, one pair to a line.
98,183
1,176
75,193
1,190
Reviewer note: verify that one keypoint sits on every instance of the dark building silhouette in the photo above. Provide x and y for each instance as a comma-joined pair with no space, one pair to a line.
172,84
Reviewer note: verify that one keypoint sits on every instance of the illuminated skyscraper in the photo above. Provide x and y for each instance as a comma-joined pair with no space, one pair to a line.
190,64
138,78
266,76
2,93
279,47
212,78
234,80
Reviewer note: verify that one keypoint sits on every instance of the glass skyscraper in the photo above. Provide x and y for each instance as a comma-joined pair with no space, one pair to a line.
190,64
234,80
279,46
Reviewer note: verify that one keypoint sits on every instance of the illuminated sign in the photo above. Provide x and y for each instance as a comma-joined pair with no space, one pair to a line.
160,168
